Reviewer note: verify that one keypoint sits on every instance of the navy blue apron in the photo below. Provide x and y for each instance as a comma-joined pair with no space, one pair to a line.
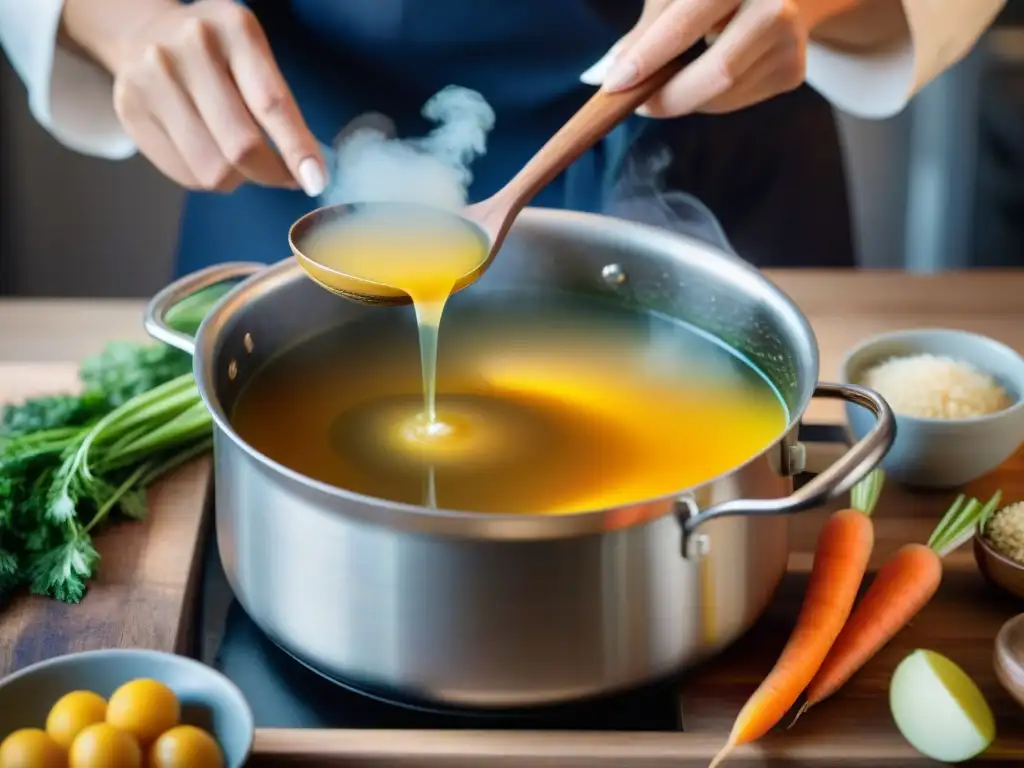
772,174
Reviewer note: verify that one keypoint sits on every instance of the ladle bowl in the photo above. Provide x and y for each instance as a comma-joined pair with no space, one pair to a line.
494,216
357,288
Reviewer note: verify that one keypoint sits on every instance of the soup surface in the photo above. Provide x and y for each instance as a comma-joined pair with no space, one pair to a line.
550,405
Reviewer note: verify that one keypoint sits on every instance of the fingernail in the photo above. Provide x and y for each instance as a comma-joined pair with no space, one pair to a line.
595,74
311,177
622,75
643,110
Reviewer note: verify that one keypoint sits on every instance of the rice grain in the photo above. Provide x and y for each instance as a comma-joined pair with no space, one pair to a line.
934,387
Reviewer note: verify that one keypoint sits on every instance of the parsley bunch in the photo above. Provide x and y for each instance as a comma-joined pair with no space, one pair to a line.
67,463
70,463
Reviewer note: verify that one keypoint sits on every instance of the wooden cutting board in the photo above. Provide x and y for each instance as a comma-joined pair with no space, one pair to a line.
148,573
853,729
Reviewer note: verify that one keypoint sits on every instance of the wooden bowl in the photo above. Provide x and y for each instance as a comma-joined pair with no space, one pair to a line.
1009,657
997,568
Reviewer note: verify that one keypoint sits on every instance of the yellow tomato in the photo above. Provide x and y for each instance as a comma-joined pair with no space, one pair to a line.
144,708
186,747
73,712
103,746
31,748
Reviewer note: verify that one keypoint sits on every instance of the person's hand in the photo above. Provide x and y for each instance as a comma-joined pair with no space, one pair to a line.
759,53
199,92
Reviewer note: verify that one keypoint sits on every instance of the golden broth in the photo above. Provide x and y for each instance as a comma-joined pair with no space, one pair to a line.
551,406
422,253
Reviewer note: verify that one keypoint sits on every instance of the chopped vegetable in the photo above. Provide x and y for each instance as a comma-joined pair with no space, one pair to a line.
69,463
939,709
902,587
840,560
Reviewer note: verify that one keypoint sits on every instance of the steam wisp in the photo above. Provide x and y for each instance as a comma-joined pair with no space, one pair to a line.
639,195
368,165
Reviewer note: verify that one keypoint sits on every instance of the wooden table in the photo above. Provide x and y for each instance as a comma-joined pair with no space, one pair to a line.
843,308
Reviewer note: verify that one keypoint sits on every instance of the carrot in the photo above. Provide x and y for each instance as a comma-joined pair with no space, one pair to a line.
840,560
902,587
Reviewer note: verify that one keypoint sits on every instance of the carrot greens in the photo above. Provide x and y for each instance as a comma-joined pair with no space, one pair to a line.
71,463
958,525
864,495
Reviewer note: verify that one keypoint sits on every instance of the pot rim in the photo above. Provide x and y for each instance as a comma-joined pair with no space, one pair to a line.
486,524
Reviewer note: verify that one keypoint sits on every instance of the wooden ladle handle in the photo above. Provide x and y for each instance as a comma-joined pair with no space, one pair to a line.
589,125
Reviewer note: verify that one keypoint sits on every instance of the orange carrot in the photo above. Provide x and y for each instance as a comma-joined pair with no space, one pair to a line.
840,560
902,587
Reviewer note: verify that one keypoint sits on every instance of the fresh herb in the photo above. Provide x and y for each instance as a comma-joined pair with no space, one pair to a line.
43,413
69,464
123,370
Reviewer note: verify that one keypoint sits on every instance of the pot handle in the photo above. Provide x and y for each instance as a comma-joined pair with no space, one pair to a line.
837,479
158,318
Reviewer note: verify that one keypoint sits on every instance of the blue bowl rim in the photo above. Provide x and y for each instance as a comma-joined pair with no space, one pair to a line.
976,338
145,653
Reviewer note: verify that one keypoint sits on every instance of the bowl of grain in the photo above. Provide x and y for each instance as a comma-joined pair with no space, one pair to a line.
957,400
999,548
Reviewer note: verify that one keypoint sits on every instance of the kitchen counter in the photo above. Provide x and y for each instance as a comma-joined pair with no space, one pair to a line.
844,307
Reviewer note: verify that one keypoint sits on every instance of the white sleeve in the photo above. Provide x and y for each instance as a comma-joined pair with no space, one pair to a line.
70,96
878,84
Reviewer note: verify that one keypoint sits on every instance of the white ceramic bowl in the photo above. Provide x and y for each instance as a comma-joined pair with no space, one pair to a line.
943,453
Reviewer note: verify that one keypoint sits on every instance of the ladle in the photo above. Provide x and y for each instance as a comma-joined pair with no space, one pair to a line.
1009,657
492,217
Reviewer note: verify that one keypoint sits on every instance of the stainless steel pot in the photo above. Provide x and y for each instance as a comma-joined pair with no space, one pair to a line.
497,611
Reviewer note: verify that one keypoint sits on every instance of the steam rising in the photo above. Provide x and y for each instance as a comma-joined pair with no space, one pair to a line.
369,165
640,195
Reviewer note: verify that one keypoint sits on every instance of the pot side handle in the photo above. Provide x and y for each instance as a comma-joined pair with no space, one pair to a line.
183,294
855,464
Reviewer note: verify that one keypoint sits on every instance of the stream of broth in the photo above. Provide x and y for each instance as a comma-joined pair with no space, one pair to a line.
421,253
552,404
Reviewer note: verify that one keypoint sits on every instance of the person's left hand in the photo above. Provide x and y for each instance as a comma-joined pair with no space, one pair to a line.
761,51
